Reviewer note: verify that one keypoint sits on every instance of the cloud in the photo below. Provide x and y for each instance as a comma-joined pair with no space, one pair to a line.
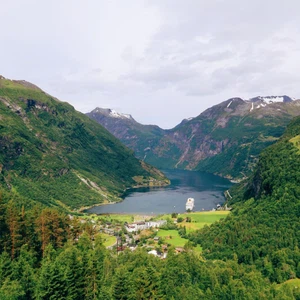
178,56
162,76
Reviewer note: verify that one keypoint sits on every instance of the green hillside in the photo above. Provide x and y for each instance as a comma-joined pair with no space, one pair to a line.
263,229
251,254
55,155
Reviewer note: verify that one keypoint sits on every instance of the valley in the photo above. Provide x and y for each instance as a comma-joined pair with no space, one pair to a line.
206,189
225,140
55,160
149,150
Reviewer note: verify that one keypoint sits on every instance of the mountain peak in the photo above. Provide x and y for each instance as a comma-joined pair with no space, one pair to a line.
112,113
272,99
6,82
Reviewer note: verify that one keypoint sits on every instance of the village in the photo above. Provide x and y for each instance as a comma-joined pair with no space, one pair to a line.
156,235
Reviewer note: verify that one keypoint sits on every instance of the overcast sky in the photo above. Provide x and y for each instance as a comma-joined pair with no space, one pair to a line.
159,60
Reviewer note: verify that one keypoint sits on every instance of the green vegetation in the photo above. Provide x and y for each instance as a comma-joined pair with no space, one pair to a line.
224,141
57,156
118,218
291,285
263,229
46,255
201,219
108,240
251,253
198,219
172,237
246,138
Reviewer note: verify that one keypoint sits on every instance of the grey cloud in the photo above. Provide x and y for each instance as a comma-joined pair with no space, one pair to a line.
163,75
182,56
208,57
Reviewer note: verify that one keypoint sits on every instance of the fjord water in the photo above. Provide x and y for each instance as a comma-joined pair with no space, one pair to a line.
206,189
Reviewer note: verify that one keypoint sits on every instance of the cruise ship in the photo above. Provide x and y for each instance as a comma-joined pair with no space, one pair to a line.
190,203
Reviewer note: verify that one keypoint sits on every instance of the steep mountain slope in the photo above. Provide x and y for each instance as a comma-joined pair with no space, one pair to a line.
264,229
134,135
225,139
53,154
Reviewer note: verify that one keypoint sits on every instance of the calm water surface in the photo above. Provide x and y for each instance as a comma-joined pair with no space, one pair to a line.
206,189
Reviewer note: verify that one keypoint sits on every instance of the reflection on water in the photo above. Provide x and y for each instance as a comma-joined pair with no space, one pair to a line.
206,189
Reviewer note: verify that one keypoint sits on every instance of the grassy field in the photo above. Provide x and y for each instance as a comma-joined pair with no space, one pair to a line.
108,240
173,238
200,219
294,284
296,141
118,217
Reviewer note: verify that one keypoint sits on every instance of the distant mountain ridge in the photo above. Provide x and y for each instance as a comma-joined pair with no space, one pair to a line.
53,154
224,139
134,135
112,113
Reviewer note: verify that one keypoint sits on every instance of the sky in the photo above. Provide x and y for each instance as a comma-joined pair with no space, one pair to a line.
159,60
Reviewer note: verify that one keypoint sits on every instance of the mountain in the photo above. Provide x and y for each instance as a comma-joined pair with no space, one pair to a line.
263,228
51,153
225,139
138,137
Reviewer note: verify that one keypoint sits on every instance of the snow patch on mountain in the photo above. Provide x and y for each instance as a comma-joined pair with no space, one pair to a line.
112,113
115,114
272,99
229,104
252,106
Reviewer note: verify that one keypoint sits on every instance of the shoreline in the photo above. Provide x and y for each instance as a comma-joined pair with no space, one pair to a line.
121,197
161,214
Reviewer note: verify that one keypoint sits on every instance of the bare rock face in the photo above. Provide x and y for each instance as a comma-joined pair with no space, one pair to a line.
225,139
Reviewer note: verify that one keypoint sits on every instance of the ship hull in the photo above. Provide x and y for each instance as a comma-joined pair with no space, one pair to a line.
190,203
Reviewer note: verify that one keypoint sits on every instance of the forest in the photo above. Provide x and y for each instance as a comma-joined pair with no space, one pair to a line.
46,254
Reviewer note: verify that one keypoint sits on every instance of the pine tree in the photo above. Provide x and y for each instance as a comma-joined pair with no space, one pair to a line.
4,231
122,285
11,289
23,271
12,220
5,267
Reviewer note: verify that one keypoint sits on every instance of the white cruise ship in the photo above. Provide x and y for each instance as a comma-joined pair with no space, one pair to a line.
190,203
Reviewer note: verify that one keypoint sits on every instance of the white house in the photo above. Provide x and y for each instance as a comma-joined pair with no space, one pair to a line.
134,227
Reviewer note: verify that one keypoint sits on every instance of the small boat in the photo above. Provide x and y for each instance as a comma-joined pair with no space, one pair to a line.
190,203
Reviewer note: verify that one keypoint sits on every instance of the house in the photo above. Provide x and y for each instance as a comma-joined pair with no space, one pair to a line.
162,255
134,227
153,252
179,250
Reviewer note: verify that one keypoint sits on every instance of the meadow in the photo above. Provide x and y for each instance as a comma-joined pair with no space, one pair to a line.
198,220
108,240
